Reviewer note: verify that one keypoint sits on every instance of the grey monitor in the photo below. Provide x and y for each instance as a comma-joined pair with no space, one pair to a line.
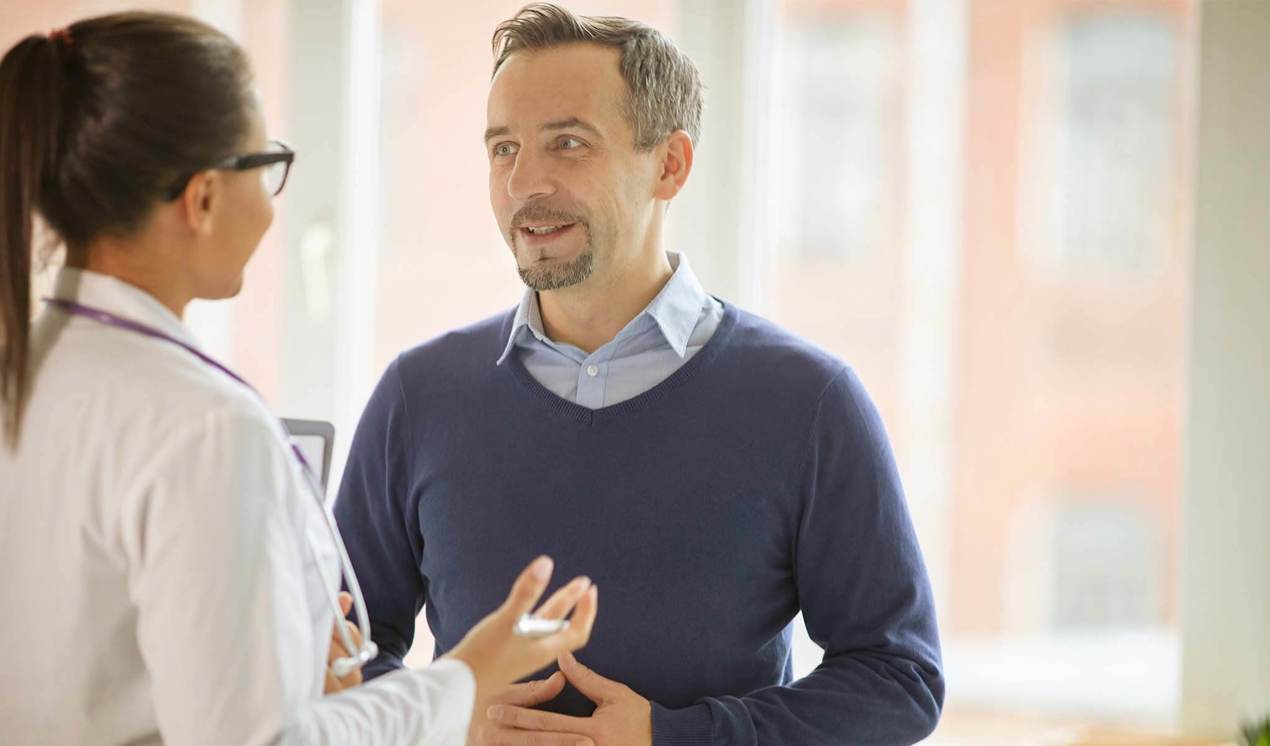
316,440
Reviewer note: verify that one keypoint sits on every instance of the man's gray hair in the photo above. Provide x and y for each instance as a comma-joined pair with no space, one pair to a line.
664,91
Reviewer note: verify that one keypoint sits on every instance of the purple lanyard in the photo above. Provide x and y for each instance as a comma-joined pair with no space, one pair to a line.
357,656
119,322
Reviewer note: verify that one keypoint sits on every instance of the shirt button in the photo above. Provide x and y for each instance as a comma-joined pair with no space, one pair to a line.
593,370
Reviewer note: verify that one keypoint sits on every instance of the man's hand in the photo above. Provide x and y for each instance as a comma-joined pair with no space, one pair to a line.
621,717
486,732
334,683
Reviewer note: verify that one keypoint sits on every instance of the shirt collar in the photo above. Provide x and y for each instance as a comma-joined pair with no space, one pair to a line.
528,317
676,310
119,298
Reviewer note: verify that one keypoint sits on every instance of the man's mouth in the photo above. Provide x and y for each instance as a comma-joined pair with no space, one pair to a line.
545,230
542,235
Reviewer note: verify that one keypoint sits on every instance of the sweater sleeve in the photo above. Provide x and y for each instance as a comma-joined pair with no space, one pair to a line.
379,526
865,597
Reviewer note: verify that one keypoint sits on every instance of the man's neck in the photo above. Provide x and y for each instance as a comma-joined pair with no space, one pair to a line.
588,316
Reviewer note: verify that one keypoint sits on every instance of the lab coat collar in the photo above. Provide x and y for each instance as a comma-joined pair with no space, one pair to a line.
120,298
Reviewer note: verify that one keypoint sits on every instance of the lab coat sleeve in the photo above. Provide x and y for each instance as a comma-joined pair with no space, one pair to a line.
380,525
232,642
865,598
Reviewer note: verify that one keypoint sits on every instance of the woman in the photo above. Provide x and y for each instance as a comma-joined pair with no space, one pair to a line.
169,573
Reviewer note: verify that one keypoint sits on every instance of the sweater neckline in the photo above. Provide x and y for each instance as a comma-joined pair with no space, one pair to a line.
584,416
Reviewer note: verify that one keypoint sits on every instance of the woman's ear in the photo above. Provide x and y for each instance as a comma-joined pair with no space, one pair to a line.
198,201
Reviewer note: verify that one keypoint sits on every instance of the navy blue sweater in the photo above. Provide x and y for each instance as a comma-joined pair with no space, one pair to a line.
754,482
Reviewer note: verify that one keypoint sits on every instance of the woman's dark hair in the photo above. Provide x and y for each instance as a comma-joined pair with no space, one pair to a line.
97,122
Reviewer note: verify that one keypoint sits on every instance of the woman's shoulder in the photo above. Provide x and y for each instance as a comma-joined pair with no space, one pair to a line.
130,383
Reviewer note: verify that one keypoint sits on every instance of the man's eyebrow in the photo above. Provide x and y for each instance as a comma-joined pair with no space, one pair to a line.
571,123
562,124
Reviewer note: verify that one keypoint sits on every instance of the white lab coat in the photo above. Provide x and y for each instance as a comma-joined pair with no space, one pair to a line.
159,583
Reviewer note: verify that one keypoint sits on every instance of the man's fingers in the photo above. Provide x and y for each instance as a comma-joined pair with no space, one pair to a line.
592,685
563,600
528,587
346,602
524,718
533,692
498,736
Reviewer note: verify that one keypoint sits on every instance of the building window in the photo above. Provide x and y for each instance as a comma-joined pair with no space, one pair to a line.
841,117
1105,567
1112,145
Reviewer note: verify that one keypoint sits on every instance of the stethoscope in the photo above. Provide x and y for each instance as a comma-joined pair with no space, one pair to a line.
343,666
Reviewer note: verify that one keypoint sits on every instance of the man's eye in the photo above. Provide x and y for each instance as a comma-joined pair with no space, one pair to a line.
504,149
570,143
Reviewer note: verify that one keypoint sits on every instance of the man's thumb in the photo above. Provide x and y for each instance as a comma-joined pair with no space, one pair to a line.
592,685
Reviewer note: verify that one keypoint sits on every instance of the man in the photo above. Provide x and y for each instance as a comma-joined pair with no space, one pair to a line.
711,473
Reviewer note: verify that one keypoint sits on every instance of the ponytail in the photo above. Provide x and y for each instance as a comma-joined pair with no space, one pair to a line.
97,122
32,83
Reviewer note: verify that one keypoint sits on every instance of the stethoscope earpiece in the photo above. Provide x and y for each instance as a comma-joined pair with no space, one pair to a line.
342,667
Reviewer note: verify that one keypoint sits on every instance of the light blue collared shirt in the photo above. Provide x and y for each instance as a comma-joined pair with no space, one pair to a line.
664,336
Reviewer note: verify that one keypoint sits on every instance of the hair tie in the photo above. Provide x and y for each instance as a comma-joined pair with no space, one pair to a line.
62,36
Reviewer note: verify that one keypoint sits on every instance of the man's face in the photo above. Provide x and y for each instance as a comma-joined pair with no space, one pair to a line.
571,194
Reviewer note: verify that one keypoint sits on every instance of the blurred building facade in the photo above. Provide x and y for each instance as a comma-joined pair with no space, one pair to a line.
1067,341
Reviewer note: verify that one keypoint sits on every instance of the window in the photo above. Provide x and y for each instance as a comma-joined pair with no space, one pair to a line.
841,82
1106,566
1027,352
1110,144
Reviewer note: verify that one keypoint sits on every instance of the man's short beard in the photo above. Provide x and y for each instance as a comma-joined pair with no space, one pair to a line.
555,277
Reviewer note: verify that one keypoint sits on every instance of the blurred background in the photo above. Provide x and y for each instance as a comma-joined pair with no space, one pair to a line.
982,205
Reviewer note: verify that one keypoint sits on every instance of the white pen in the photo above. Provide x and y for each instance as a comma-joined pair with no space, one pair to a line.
530,626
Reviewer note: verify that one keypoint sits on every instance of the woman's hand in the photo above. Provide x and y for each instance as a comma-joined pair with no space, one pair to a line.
334,683
497,657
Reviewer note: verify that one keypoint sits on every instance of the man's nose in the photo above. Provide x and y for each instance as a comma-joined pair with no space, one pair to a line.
530,178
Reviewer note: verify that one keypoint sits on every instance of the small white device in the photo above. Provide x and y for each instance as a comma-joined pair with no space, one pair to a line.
530,626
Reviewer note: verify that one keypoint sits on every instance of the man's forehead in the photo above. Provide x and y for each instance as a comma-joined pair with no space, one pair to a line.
574,77
574,58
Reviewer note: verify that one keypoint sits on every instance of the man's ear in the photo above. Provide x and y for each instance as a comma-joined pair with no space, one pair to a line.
198,201
676,163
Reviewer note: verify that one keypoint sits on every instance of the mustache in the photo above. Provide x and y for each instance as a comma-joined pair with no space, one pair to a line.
544,214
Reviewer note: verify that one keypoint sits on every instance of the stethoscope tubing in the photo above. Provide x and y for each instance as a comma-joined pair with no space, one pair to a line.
359,655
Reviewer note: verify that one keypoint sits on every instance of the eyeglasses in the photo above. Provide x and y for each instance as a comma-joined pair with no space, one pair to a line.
276,164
